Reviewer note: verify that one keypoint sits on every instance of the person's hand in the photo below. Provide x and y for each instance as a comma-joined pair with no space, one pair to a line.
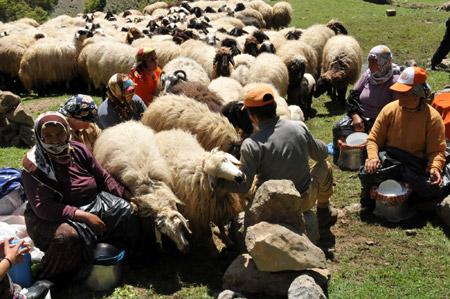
358,123
92,220
96,224
13,251
372,165
435,177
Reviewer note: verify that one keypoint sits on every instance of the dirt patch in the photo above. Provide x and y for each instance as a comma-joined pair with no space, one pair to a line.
36,107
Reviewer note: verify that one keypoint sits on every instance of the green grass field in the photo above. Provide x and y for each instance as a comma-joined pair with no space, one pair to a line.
371,259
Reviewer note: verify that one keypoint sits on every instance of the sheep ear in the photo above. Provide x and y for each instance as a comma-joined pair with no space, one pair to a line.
232,60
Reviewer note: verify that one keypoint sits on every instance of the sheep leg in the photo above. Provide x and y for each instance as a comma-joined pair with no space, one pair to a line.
341,91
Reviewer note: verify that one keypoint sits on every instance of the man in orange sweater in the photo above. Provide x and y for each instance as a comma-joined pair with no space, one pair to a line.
412,133
145,74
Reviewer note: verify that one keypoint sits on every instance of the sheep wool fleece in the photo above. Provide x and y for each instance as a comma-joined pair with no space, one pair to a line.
280,150
420,133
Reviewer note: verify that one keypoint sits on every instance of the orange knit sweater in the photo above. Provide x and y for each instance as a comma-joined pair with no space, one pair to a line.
420,133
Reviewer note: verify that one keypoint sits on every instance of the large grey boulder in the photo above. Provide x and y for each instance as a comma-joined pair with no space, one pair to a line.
279,247
229,294
304,287
311,226
276,201
243,276
19,116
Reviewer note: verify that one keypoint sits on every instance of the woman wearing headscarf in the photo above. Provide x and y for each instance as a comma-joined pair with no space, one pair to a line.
81,114
122,103
407,141
73,203
370,94
145,74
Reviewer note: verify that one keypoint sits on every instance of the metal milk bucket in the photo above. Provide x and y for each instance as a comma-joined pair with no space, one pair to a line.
352,151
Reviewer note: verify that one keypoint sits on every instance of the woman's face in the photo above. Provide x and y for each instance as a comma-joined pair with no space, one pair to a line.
373,65
53,134
77,125
152,63
408,100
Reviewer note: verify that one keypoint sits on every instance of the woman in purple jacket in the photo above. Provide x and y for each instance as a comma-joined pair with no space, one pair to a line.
67,212
370,94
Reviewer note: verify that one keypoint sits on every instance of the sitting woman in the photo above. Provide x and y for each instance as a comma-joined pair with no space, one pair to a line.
370,94
81,113
145,74
406,143
73,203
122,103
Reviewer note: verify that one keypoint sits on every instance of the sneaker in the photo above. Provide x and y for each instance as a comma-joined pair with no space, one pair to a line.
326,217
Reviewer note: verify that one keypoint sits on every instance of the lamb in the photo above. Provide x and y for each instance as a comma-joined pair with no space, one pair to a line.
265,9
238,117
281,14
49,61
269,68
196,184
149,9
175,111
296,113
133,34
147,176
250,16
342,60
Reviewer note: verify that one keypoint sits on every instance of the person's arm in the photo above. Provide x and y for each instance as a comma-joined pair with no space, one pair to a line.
317,149
44,201
139,105
92,220
11,254
376,140
435,148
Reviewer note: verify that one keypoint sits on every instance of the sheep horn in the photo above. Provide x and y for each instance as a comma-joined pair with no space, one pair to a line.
184,77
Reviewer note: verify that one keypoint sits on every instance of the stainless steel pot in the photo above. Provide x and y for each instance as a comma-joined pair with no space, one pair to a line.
352,159
106,271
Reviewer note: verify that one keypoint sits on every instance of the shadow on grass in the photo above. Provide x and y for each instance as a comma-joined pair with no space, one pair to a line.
334,108
416,221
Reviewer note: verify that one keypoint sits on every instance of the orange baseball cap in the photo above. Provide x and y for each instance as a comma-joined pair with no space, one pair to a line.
259,96
409,77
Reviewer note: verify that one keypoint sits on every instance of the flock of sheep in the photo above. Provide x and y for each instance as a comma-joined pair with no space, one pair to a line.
211,52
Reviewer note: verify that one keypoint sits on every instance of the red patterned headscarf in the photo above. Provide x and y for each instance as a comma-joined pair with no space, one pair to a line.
120,92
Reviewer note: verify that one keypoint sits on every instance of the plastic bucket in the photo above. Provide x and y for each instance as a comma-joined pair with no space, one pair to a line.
21,273
106,272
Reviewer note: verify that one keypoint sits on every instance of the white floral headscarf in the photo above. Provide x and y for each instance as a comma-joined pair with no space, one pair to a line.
384,58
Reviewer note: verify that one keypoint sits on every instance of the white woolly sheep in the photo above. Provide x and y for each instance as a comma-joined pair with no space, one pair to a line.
242,64
296,113
148,10
227,88
269,68
296,48
104,59
49,61
342,60
194,71
317,36
12,48
281,14
196,177
147,175
174,111
265,9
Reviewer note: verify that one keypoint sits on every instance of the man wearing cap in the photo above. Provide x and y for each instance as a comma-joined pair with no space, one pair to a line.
412,133
81,114
122,103
280,150
145,74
